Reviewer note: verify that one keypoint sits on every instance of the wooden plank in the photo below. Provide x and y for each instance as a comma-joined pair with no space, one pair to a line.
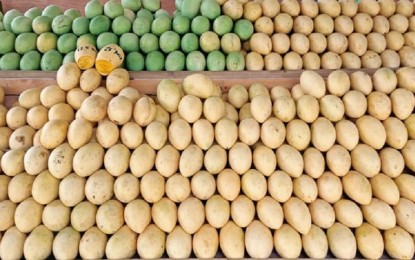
9,100
23,5
15,86
146,82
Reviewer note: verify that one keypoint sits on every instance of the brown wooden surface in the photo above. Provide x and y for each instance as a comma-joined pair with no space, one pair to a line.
15,82
10,100
23,5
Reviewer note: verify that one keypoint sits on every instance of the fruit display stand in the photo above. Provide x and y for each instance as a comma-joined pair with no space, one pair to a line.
100,162
276,83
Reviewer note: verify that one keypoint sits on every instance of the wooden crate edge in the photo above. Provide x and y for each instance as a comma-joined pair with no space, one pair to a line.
15,82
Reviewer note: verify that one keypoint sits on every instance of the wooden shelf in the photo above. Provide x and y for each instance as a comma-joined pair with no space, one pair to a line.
15,82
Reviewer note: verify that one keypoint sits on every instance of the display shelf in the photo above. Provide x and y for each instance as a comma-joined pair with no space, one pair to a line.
15,82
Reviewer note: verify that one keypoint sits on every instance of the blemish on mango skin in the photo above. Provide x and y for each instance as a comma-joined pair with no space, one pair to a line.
20,139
